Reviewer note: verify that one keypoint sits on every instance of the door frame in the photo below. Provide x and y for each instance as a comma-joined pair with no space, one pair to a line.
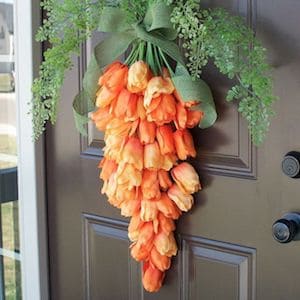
31,158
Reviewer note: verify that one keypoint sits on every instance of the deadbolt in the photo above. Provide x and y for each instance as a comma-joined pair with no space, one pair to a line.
286,229
291,164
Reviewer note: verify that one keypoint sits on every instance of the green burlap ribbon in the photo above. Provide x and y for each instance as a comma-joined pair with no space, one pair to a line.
157,29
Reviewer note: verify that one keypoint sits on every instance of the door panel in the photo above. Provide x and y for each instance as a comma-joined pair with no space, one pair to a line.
226,249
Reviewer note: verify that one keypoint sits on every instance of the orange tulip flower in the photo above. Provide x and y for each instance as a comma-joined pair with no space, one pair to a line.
164,135
124,194
139,252
157,86
133,153
110,186
109,71
108,167
118,127
105,97
134,227
138,76
182,200
147,131
181,116
115,79
184,144
152,156
131,113
187,104
168,207
164,180
130,207
186,178
150,185
161,262
168,161
165,244
113,146
101,118
146,234
129,175
121,104
164,112
152,278
166,225
194,117
148,210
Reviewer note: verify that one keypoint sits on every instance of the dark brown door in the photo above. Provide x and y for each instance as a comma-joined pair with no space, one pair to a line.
226,246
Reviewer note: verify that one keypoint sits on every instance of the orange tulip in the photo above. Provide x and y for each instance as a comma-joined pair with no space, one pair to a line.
166,225
165,111
134,227
118,127
164,135
146,234
105,97
147,131
152,278
108,167
138,76
131,109
121,104
165,243
114,201
130,207
148,210
110,186
161,262
186,178
115,79
152,156
184,144
181,116
194,117
164,180
182,200
157,86
187,104
168,207
109,71
113,146
150,185
169,160
101,118
129,175
139,252
133,153
124,194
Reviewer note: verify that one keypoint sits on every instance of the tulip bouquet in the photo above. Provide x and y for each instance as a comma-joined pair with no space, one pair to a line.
147,103
146,134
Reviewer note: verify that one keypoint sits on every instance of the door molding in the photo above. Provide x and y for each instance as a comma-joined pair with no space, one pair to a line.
31,171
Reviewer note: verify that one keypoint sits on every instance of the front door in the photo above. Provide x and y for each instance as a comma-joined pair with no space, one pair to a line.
226,248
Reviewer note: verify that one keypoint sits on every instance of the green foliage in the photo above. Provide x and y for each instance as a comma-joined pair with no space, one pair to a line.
67,24
230,43
204,35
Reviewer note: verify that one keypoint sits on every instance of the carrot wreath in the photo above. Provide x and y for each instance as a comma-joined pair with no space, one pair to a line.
146,127
147,104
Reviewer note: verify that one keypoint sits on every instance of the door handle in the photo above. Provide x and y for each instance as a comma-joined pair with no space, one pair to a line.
286,229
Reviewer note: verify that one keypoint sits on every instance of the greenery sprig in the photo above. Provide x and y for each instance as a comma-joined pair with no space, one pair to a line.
216,35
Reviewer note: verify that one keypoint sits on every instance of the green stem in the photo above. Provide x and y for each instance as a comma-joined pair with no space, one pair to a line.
166,62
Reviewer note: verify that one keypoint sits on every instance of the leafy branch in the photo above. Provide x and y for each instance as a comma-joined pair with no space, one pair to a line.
67,24
230,43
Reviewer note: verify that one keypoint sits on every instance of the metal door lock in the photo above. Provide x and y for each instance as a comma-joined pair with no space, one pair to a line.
287,228
291,164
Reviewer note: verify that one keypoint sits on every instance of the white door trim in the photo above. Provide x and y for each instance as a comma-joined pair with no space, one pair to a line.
31,179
